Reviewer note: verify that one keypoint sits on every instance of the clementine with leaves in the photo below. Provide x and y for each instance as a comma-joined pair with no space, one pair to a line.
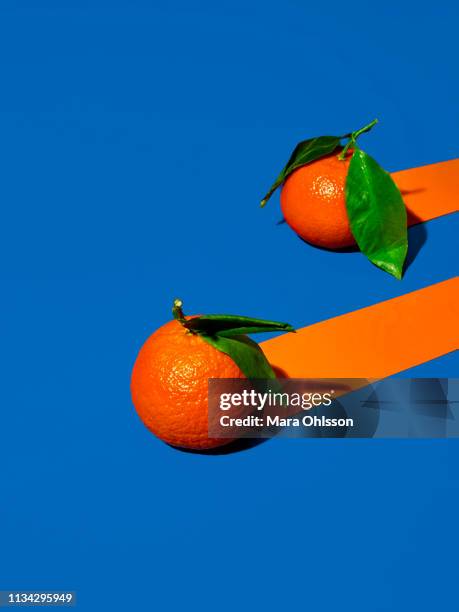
335,196
169,382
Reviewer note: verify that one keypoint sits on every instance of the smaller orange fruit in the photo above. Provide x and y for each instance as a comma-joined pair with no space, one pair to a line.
313,202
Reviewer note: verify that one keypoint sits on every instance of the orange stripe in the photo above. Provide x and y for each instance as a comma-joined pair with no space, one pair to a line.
373,342
429,191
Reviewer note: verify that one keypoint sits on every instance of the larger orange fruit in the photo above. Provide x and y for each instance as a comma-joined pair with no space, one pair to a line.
169,385
313,203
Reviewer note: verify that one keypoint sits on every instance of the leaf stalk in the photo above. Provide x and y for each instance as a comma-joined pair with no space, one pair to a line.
178,312
353,138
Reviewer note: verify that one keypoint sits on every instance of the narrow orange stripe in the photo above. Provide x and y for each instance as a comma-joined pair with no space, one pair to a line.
429,191
376,341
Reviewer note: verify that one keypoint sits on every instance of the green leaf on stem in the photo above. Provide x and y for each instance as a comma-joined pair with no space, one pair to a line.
304,153
226,333
377,213
232,325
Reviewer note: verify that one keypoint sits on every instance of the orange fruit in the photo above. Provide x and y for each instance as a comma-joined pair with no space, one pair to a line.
169,385
313,203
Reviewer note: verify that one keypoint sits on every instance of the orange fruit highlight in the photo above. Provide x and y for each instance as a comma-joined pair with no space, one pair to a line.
169,385
313,202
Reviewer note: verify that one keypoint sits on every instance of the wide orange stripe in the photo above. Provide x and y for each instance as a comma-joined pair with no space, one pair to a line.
376,341
429,191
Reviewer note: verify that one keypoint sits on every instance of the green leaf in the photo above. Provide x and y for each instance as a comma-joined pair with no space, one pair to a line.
226,333
377,213
304,153
246,354
231,325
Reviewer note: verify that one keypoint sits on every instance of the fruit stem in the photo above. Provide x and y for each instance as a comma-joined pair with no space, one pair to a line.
353,137
178,312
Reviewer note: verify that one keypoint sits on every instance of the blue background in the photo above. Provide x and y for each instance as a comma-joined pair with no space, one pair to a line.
136,140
